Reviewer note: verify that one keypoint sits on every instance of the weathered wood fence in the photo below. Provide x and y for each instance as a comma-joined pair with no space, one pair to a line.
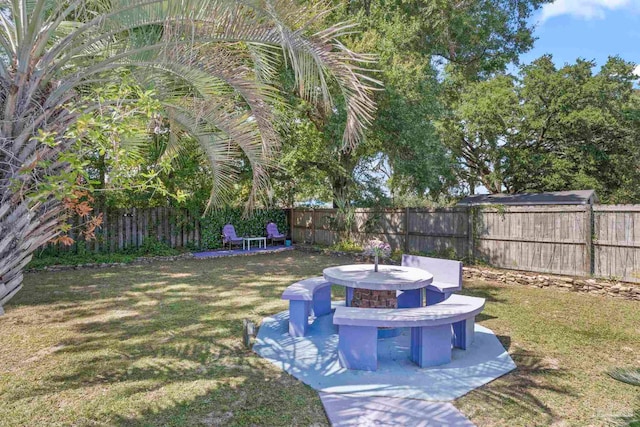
603,241
129,228
616,241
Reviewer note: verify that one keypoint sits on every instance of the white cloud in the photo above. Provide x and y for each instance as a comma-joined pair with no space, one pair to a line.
636,70
585,9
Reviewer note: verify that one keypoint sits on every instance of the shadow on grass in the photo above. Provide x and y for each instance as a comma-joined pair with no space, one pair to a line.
484,316
505,340
484,290
246,404
516,393
630,421
166,339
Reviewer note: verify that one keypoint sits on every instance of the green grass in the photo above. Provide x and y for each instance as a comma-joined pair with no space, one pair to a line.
76,259
564,345
160,345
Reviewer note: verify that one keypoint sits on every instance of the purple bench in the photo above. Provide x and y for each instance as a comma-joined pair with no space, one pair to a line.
434,330
305,296
447,276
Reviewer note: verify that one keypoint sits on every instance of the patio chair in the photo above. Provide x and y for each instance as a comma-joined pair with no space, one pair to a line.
274,234
229,236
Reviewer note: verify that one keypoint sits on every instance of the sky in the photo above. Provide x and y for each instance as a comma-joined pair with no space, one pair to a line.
588,29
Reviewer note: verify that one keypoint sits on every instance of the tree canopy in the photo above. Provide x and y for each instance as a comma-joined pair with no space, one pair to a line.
549,129
414,41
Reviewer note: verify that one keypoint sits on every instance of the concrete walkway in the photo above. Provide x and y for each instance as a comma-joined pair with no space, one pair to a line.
241,252
345,410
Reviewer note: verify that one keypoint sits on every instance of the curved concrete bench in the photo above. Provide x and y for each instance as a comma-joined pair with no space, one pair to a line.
305,296
431,331
447,276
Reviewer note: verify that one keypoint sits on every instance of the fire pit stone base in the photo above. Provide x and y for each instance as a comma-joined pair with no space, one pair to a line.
367,298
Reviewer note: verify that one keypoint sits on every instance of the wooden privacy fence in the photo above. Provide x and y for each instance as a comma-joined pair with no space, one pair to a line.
574,240
129,228
125,229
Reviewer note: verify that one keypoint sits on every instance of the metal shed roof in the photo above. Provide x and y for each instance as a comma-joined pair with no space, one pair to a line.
572,197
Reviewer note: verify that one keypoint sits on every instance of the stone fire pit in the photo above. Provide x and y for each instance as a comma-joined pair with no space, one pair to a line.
367,298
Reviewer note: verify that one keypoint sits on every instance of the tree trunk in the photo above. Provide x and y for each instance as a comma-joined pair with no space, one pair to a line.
342,179
340,186
23,230
30,215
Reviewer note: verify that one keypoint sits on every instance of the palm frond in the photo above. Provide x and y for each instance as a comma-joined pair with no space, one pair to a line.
630,375
319,57
226,138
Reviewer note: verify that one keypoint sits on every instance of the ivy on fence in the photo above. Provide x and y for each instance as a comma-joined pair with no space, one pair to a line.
253,225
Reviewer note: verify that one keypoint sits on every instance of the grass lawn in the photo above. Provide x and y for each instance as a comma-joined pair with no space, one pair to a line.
160,344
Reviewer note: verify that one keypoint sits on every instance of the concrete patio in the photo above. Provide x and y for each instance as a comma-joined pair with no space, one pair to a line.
313,360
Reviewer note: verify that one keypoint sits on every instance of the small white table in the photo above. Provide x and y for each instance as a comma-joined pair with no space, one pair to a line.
246,242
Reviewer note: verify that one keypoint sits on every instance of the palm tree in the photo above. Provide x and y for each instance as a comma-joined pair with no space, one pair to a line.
210,63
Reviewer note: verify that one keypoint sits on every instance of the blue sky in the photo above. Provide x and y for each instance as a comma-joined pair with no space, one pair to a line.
589,29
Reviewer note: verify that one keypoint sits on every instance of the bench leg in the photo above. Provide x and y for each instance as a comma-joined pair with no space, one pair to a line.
322,302
298,318
431,346
358,347
463,333
348,296
410,298
434,297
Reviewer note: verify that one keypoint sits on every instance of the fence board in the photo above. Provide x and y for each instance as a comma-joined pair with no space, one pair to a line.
131,228
616,242
540,239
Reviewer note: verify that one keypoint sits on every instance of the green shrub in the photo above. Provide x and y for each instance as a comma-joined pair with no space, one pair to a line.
70,258
446,253
397,255
152,246
346,245
81,255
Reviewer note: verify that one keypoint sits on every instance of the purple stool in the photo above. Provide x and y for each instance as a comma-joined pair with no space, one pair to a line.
305,297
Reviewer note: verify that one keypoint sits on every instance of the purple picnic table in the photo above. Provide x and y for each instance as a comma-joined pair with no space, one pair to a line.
381,302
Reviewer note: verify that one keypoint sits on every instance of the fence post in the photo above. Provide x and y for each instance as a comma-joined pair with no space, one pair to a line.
313,225
589,228
471,234
406,230
291,224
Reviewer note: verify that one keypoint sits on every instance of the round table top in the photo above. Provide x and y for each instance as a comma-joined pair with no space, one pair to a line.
387,278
